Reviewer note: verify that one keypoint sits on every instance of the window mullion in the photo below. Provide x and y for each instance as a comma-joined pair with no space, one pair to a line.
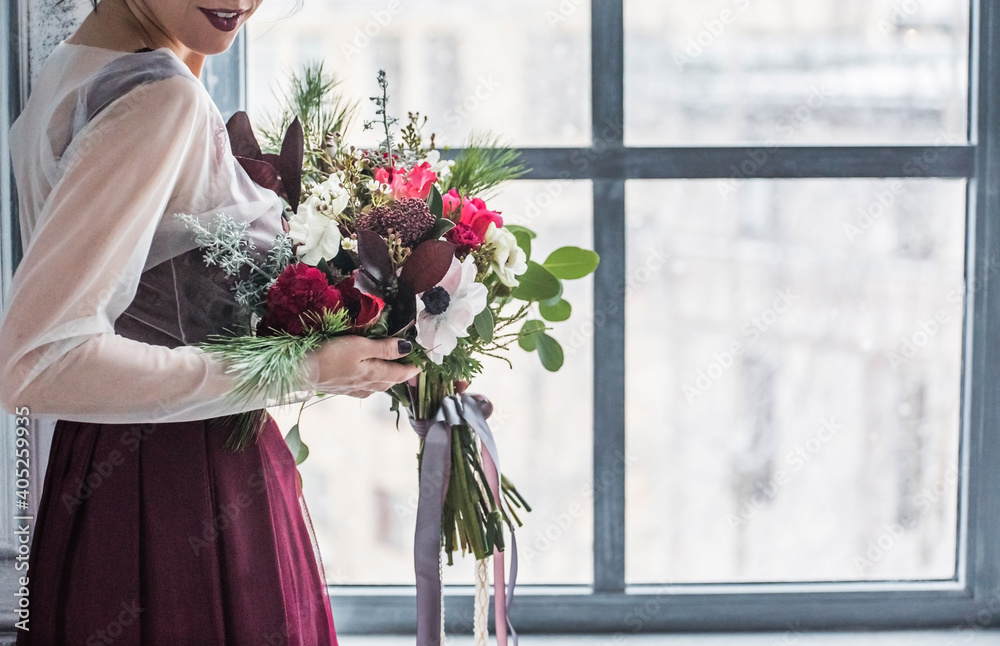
608,110
738,163
981,450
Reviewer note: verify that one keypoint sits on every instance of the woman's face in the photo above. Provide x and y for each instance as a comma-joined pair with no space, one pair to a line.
203,26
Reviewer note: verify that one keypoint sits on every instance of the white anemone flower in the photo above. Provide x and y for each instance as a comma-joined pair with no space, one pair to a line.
445,312
441,167
317,234
509,260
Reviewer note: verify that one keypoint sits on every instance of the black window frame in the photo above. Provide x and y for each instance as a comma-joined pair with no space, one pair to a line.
612,606
609,605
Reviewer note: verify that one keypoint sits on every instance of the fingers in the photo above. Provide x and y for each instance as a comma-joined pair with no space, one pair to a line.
389,349
357,366
391,373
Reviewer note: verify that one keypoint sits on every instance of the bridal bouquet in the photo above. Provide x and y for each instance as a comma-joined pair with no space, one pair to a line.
394,241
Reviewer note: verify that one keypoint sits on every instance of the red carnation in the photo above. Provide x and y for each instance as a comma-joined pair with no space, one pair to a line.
464,237
298,299
364,309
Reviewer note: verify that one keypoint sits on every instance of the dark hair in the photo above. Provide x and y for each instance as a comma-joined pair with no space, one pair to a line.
93,2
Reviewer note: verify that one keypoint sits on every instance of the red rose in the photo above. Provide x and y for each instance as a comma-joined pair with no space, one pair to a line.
464,237
364,309
298,299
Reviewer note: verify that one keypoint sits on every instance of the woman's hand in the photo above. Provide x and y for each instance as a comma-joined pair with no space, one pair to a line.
357,367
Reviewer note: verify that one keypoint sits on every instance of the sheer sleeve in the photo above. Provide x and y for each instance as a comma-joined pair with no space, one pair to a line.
59,354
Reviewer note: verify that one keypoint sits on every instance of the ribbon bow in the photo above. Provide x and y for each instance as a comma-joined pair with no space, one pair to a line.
435,472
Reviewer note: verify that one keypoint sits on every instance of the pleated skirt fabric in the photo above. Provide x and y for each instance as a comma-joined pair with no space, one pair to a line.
157,535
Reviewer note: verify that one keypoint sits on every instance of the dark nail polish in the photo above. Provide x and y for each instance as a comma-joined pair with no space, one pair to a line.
405,347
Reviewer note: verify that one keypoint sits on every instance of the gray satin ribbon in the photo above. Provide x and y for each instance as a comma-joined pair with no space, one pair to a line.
435,471
476,409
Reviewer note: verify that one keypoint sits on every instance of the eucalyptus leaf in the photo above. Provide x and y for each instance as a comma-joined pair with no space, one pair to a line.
524,242
550,352
484,324
527,338
570,263
556,312
295,444
517,228
537,284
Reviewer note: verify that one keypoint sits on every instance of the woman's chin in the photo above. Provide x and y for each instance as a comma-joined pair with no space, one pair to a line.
212,45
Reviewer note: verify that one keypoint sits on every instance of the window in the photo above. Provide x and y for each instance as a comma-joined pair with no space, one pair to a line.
778,407
785,336
792,206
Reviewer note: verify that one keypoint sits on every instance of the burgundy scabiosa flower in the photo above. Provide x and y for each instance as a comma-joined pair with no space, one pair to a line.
409,219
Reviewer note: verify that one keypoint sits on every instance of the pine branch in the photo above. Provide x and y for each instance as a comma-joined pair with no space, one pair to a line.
484,165
269,367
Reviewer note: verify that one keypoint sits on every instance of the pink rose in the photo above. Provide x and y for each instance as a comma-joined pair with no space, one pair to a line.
478,217
418,184
392,177
452,202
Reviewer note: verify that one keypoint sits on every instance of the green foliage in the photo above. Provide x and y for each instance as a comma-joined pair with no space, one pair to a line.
270,366
524,238
537,284
527,338
381,102
533,337
483,165
435,203
225,244
555,312
517,228
550,352
295,444
312,96
484,325
570,263
441,227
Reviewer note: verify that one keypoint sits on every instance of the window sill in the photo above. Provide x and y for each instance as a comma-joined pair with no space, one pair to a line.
891,638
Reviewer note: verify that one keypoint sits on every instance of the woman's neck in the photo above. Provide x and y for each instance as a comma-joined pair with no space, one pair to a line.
124,25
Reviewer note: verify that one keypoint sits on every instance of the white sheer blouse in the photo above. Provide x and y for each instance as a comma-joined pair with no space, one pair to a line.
111,289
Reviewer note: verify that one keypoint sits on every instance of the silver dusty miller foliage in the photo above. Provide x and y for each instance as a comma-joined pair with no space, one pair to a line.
225,244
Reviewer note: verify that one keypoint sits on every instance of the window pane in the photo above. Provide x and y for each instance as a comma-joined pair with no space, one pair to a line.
827,71
360,478
513,68
794,368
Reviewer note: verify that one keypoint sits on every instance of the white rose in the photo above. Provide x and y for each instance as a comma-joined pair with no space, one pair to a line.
317,235
509,261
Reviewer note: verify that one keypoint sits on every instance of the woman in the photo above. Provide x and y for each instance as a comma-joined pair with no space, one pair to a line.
149,531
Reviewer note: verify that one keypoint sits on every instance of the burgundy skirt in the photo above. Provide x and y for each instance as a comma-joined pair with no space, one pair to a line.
156,534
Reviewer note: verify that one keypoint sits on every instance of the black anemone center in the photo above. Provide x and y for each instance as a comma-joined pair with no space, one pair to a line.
436,300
